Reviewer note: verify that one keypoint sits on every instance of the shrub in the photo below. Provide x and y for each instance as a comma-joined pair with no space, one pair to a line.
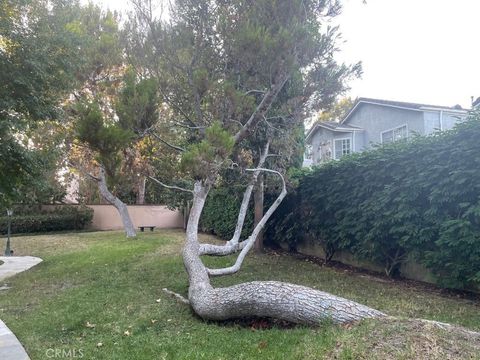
220,213
61,218
417,199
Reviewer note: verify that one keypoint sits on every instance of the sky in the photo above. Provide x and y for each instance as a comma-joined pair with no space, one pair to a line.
423,51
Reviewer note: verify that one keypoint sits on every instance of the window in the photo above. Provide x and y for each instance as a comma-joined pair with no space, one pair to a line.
396,134
342,147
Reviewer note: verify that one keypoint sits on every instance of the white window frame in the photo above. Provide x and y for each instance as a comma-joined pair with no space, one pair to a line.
335,149
393,132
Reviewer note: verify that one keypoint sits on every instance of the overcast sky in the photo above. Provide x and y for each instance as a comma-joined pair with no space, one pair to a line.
424,51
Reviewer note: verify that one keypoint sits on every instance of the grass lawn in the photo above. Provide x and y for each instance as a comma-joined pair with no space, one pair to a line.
102,288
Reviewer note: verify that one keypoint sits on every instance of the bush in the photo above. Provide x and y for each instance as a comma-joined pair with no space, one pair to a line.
61,218
220,213
417,199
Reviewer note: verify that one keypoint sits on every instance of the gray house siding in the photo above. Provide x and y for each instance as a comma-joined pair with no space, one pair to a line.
369,119
376,119
325,137
439,120
358,141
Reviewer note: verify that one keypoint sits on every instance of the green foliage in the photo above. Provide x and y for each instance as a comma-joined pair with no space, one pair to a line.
258,62
59,219
106,139
220,213
417,199
137,104
17,165
40,59
204,159
337,111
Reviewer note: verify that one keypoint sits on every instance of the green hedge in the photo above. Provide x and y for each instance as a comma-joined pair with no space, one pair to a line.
417,199
61,218
220,213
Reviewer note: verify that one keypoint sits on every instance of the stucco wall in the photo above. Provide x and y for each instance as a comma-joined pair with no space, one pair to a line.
375,119
410,269
105,217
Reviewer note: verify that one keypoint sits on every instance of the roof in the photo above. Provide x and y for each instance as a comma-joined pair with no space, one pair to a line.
476,102
402,105
334,126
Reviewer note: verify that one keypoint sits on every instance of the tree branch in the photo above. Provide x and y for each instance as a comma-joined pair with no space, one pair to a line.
253,237
175,147
221,250
176,123
83,171
170,186
261,109
177,296
233,245
254,91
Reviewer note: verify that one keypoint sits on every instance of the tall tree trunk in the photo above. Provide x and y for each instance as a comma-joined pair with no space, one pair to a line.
186,213
119,205
141,190
258,197
279,300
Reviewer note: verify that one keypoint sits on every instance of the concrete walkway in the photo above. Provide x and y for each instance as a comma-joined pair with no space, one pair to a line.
10,347
16,264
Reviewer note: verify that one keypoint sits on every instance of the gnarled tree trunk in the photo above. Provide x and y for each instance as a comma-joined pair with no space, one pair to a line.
298,304
119,204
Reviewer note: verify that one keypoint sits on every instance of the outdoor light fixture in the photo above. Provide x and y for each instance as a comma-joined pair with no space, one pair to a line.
8,252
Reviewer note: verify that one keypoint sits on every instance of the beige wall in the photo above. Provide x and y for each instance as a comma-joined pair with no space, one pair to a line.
105,217
409,270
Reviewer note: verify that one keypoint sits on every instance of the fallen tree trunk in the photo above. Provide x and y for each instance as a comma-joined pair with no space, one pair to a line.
294,303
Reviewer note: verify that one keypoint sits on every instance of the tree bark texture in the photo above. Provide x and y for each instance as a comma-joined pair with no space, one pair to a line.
141,190
119,205
258,198
294,303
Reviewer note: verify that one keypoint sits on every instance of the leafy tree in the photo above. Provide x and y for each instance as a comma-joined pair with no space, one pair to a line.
114,140
38,62
337,111
222,68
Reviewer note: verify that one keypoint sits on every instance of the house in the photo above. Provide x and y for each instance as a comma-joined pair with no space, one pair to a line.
375,121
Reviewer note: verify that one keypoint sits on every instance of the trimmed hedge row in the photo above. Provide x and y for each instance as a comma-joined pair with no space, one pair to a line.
62,218
418,199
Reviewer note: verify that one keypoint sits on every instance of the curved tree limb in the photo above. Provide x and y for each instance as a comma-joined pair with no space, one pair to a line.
175,147
233,245
173,187
221,250
251,240
262,108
